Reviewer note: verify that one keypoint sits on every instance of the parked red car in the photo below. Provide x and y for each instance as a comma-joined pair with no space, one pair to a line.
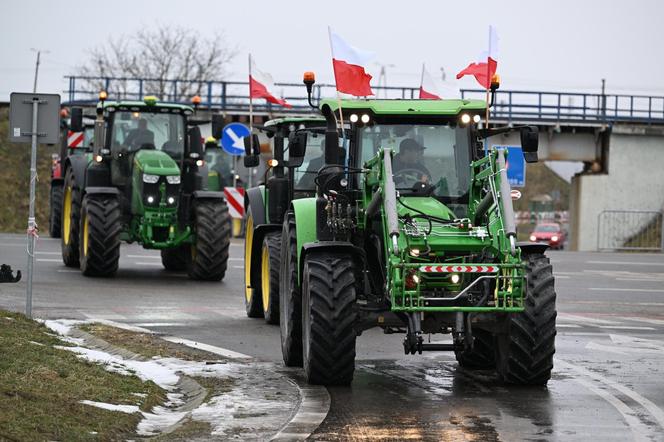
550,233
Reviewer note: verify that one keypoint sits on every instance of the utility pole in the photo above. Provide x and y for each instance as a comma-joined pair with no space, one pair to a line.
443,75
603,98
38,51
382,77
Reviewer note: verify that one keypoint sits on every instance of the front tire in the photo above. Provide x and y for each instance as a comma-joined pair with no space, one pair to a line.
253,303
525,352
71,219
55,211
329,315
175,259
101,224
270,277
290,299
482,355
208,259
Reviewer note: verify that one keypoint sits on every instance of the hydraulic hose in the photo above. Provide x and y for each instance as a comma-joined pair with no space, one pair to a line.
506,201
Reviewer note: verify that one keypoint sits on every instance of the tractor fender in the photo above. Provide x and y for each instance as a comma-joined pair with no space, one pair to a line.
256,249
57,182
102,191
254,199
208,195
305,222
332,247
78,164
529,248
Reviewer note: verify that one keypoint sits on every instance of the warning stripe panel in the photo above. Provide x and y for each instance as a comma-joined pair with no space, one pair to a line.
459,269
235,200
75,139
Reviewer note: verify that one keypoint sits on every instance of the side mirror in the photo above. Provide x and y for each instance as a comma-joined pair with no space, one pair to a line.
217,126
530,143
76,122
251,159
196,150
297,144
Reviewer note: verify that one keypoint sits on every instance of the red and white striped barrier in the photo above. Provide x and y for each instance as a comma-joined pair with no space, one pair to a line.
75,139
235,201
459,269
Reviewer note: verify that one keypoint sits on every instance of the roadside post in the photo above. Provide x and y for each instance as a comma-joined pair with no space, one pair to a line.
33,118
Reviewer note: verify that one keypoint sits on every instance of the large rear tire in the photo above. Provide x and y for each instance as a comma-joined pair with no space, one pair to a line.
71,220
290,299
208,259
270,277
329,315
101,223
55,211
253,303
482,355
175,259
525,353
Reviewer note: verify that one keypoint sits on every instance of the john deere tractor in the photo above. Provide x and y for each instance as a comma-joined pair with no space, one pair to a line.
412,230
290,175
145,182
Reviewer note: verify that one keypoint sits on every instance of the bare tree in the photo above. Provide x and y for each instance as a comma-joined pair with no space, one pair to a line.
175,63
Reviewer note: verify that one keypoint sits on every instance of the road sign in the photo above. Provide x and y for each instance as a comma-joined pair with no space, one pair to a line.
232,138
516,165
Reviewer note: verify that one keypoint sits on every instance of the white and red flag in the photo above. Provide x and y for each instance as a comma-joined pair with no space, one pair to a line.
349,65
261,85
487,63
428,89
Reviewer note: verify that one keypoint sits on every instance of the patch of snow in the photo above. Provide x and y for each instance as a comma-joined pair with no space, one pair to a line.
61,326
8,318
36,343
129,409
159,418
141,395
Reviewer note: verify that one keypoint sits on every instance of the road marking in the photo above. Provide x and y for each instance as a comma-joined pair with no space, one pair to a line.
238,267
646,304
236,259
161,324
585,320
622,350
646,320
637,342
625,327
639,279
49,260
653,409
567,326
47,253
156,264
628,263
68,271
615,289
145,256
561,276
207,347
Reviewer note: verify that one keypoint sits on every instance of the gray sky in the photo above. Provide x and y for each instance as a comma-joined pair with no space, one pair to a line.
561,45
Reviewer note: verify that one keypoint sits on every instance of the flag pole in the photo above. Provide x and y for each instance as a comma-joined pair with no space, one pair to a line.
251,126
341,115
488,80
422,81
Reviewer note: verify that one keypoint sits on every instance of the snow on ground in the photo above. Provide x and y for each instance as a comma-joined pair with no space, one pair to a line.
123,408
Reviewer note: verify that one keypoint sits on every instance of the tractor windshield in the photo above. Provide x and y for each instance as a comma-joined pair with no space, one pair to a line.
146,130
433,156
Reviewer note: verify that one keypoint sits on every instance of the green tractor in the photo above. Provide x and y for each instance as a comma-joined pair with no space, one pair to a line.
290,175
145,182
412,230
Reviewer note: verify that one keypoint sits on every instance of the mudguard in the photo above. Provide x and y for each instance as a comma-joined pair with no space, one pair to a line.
208,195
332,247
78,164
254,199
102,191
532,247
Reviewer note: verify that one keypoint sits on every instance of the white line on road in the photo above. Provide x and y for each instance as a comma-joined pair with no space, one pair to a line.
238,267
161,324
207,347
68,271
562,277
646,320
585,319
639,279
627,263
49,260
236,259
615,289
156,264
145,256
567,326
47,253
625,327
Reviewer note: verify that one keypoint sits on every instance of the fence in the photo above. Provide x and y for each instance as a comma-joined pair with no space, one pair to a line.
638,230
510,106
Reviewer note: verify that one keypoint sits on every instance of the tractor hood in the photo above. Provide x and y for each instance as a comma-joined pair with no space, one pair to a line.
155,162
428,205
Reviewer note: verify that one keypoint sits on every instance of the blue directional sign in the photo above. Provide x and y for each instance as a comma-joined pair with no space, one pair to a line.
232,139
516,165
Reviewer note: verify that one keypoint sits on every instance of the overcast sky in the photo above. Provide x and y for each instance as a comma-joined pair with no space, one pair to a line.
560,45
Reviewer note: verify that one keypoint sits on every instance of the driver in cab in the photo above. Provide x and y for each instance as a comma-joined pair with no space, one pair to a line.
410,160
140,136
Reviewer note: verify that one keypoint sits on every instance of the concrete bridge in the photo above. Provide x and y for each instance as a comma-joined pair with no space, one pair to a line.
619,139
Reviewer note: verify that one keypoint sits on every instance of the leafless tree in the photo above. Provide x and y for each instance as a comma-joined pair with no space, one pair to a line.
158,56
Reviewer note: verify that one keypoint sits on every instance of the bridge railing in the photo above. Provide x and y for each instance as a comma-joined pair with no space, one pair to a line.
510,105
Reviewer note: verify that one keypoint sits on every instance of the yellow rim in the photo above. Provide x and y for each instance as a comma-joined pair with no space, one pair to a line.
248,237
66,215
237,227
86,227
265,277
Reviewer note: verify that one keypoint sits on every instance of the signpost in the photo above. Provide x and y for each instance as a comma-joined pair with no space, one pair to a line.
516,165
33,118
232,141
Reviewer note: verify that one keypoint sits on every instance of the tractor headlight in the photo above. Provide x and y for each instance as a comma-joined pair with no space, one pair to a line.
476,118
173,179
171,200
151,179
150,199
465,118
455,278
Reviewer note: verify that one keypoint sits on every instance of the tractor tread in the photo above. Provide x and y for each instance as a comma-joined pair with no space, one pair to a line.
70,252
175,259
55,211
273,243
209,260
481,356
290,299
104,227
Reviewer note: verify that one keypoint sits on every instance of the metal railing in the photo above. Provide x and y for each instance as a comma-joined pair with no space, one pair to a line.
638,230
510,106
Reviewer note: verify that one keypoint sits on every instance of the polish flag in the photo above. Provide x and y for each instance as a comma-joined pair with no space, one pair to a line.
427,86
487,63
349,65
260,85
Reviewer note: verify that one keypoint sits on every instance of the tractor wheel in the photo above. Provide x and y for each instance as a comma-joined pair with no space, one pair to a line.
101,223
270,277
525,353
290,300
329,315
55,212
71,217
252,295
482,355
175,259
209,253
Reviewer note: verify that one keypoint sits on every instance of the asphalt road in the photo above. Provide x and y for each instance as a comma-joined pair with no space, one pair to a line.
608,382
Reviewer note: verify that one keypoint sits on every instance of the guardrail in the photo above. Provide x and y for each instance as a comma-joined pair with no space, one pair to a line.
637,230
510,106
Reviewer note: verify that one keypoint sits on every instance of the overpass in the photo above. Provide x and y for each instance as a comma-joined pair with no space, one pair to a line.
619,138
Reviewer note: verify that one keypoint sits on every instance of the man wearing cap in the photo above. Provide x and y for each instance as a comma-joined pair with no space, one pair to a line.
410,158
